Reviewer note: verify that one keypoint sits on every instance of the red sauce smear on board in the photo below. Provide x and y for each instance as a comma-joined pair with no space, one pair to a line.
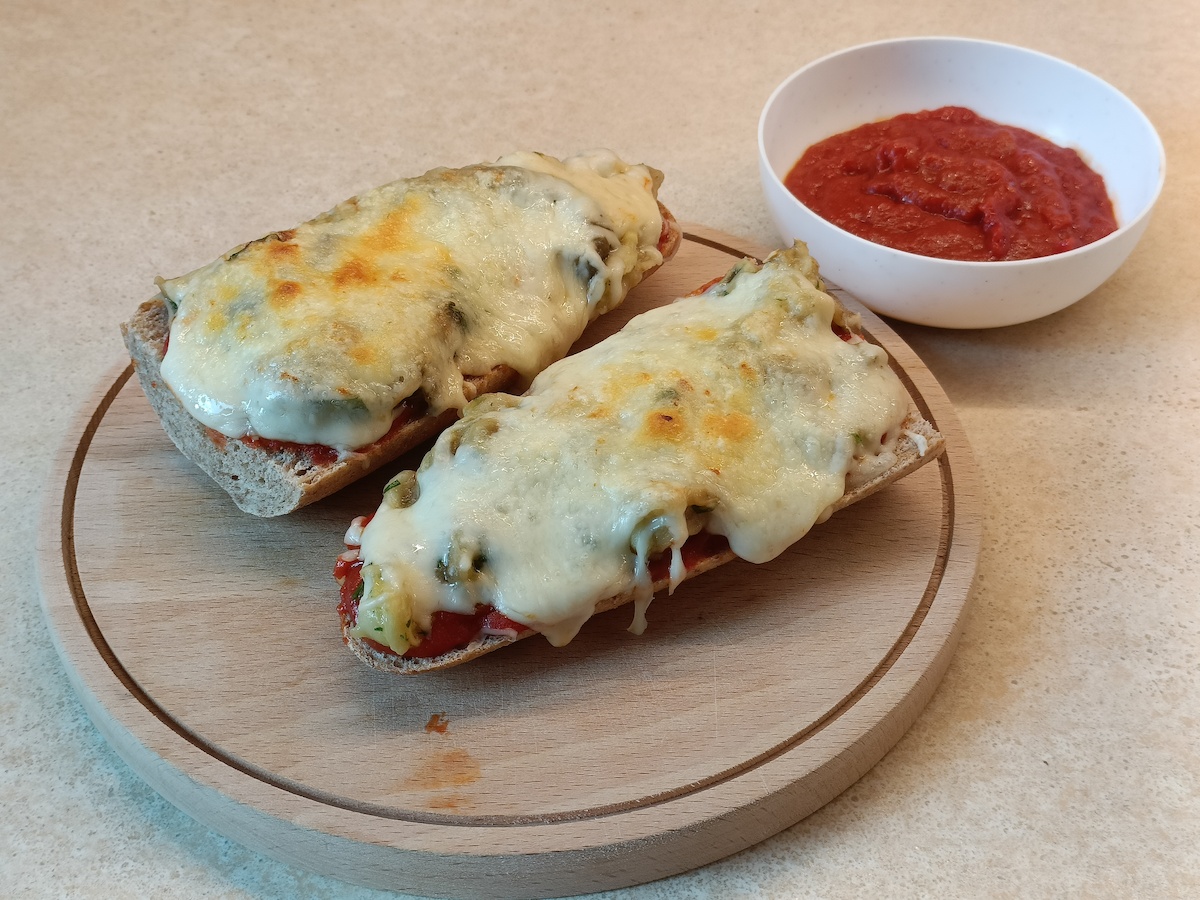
951,184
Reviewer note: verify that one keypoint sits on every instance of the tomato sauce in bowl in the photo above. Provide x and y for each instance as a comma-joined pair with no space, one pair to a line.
948,183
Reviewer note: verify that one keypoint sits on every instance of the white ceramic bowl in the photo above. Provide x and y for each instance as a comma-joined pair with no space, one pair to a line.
1010,85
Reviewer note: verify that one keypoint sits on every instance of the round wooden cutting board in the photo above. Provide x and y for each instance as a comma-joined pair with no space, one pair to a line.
204,644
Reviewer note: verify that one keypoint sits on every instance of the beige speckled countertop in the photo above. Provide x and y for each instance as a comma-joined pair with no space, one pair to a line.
1058,758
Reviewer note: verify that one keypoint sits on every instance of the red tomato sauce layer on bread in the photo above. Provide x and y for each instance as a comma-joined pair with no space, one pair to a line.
453,631
951,184
318,454
449,631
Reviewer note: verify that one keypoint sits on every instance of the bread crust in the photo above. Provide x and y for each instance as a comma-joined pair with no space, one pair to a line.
910,456
671,239
276,482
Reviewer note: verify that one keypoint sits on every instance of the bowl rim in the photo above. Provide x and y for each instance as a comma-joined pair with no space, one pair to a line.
991,265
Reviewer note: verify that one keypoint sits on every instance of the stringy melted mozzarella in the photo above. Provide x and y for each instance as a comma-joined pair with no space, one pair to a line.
315,335
738,410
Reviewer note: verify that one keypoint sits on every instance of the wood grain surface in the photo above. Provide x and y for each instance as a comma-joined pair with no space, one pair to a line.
204,644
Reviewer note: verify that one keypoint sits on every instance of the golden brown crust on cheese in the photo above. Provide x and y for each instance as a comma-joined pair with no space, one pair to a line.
909,458
276,482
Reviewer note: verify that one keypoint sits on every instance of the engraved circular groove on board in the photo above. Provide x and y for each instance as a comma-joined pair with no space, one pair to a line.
204,644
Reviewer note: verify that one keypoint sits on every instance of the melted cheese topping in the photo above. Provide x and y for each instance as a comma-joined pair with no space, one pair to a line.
315,335
738,410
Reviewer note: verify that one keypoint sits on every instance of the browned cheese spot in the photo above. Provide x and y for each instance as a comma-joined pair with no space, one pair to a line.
391,234
215,322
354,272
351,340
282,293
732,426
600,411
362,354
665,425
283,248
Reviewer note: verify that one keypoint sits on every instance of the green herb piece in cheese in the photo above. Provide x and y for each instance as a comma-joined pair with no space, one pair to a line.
402,491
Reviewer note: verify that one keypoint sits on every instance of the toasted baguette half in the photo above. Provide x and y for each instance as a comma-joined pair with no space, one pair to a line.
717,400
919,444
274,478
279,480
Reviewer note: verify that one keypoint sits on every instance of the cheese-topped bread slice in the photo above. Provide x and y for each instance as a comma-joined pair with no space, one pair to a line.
726,423
304,351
